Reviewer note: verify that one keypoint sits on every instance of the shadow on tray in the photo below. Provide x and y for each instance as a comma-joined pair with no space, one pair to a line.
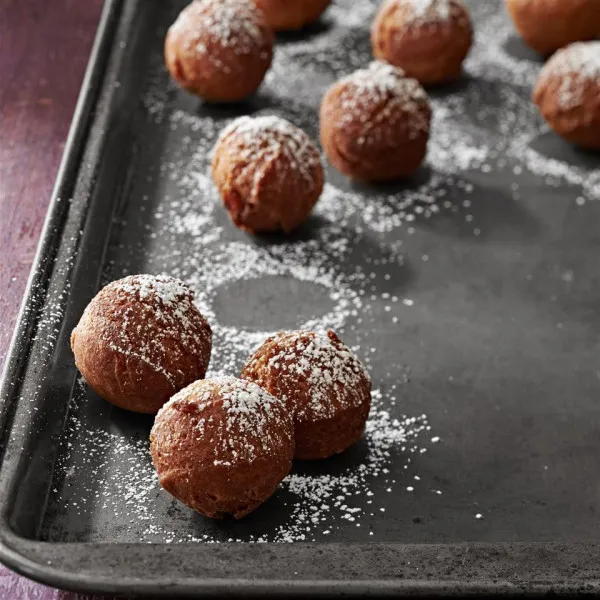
305,34
451,87
551,145
515,47
277,513
365,253
349,460
229,110
492,213
391,188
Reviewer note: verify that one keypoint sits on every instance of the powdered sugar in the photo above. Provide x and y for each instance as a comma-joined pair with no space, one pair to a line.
250,423
581,58
428,11
152,313
335,377
330,376
576,66
230,23
266,137
383,86
168,290
381,79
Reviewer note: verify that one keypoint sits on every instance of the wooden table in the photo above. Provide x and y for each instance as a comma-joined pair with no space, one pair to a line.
44,48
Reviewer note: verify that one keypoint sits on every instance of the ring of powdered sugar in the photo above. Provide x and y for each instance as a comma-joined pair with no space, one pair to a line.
238,261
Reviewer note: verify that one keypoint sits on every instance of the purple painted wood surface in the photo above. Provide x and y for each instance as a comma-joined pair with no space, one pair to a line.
44,48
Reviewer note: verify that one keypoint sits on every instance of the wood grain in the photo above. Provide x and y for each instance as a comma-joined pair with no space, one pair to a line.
44,48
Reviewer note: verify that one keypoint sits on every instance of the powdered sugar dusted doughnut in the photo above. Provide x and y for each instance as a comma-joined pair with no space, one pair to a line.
428,39
375,123
284,15
140,340
568,93
219,49
222,446
268,173
324,385
547,25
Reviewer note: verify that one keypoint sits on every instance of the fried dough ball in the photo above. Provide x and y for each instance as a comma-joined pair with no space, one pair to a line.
428,39
547,25
568,94
222,446
140,340
268,173
326,388
286,15
219,50
375,124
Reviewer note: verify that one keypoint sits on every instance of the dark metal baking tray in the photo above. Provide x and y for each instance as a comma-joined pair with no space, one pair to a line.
471,291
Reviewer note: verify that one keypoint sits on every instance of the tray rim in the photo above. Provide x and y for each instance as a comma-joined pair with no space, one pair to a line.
483,556
31,558
65,178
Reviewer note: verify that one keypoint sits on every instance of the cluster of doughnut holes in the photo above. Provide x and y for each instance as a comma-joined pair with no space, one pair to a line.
375,122
220,445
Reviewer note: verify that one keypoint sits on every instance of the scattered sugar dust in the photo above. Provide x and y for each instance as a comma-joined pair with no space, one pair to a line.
317,505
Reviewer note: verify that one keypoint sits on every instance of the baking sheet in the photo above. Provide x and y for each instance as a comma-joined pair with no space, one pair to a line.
469,291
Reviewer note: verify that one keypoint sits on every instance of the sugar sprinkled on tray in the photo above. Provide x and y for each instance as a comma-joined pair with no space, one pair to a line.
321,505
325,497
189,232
